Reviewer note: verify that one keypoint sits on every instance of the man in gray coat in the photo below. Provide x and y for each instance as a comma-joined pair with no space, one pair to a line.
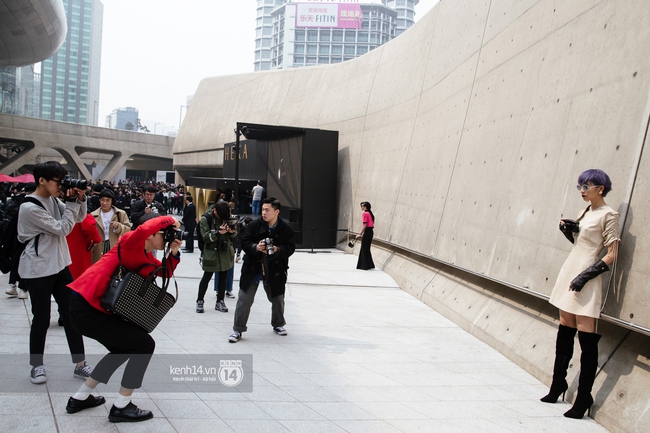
44,263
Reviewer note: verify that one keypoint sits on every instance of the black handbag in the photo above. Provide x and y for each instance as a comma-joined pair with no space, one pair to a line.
137,299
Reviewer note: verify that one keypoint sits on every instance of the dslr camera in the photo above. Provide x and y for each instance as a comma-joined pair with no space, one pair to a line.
67,182
232,221
170,234
269,246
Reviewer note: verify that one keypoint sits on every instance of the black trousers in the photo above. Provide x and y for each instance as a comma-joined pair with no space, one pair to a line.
365,257
40,292
189,242
125,342
221,288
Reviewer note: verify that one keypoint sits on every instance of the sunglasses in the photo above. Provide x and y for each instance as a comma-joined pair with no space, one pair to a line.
582,188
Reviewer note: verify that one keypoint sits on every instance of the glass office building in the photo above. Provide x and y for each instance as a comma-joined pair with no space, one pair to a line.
292,34
70,78
19,91
123,118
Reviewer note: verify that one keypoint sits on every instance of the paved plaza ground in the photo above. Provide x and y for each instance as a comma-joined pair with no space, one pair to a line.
361,355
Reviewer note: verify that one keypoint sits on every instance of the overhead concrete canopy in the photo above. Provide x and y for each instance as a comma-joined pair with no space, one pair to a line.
30,30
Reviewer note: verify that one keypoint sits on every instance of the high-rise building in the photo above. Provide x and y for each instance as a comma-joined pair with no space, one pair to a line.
70,78
123,118
292,34
19,91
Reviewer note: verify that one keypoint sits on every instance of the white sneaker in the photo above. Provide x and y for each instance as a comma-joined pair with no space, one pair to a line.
12,290
22,294
235,337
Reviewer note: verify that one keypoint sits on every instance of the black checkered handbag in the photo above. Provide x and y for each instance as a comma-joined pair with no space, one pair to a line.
137,299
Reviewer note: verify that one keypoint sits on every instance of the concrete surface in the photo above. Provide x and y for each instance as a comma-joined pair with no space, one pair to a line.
361,356
467,134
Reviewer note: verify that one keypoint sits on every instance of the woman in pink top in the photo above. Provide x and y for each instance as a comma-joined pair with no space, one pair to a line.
365,258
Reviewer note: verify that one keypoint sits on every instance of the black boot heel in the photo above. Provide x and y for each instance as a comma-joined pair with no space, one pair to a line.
582,405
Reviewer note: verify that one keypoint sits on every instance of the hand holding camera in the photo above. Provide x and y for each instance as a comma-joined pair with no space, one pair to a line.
266,246
73,189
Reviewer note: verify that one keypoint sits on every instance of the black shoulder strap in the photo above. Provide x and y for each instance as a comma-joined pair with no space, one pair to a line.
36,201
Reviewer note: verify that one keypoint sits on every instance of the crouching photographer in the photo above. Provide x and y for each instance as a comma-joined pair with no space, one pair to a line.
125,341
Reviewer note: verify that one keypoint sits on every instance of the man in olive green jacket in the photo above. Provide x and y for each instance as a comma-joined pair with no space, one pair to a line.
218,252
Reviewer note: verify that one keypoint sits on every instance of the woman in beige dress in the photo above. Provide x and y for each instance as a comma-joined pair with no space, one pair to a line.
578,289
111,224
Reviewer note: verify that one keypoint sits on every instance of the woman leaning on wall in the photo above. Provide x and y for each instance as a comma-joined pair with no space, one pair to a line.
578,289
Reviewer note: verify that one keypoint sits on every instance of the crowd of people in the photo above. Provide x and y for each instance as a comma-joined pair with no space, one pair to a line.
70,237
73,240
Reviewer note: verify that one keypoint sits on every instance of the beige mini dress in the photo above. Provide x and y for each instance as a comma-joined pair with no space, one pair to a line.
598,229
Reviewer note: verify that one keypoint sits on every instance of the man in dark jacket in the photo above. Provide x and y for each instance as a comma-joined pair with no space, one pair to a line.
145,206
189,221
266,262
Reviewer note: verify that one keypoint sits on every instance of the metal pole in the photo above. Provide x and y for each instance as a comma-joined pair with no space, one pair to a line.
236,193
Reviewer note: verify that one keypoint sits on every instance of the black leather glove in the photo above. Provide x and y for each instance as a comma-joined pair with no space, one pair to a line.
569,228
588,274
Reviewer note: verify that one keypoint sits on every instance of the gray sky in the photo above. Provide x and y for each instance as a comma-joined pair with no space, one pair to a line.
155,52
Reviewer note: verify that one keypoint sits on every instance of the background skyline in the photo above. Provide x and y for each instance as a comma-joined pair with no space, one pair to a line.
155,53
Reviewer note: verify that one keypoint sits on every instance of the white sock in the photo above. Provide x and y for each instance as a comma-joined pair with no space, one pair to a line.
83,393
122,401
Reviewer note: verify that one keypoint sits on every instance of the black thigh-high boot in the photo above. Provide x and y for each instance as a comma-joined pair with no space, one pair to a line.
563,354
588,367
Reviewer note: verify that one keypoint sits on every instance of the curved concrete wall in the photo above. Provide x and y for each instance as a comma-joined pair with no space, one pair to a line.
467,134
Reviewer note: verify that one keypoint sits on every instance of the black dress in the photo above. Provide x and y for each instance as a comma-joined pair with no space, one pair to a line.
365,257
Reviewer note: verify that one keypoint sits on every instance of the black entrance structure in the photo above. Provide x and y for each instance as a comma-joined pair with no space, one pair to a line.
298,166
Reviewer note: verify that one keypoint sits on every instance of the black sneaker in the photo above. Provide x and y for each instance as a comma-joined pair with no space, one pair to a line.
221,306
280,330
235,337
199,306
75,405
130,413
83,372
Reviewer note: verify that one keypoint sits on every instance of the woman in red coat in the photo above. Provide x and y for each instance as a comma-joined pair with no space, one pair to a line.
125,341
83,236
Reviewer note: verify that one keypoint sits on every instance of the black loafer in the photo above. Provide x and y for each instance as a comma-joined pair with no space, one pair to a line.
75,405
131,413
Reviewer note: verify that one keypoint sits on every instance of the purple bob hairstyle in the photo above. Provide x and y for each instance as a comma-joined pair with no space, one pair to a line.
596,177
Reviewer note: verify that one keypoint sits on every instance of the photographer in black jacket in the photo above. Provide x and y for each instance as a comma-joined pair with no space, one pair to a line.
145,206
268,243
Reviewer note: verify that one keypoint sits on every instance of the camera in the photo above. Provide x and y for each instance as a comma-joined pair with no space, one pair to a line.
269,246
67,182
232,221
170,234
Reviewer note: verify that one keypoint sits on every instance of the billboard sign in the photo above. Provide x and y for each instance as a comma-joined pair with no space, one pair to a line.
329,15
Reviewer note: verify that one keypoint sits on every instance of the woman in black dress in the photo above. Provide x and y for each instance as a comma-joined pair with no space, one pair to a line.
365,257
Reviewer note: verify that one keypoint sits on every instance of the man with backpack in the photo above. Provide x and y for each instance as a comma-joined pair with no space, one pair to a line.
9,241
44,262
